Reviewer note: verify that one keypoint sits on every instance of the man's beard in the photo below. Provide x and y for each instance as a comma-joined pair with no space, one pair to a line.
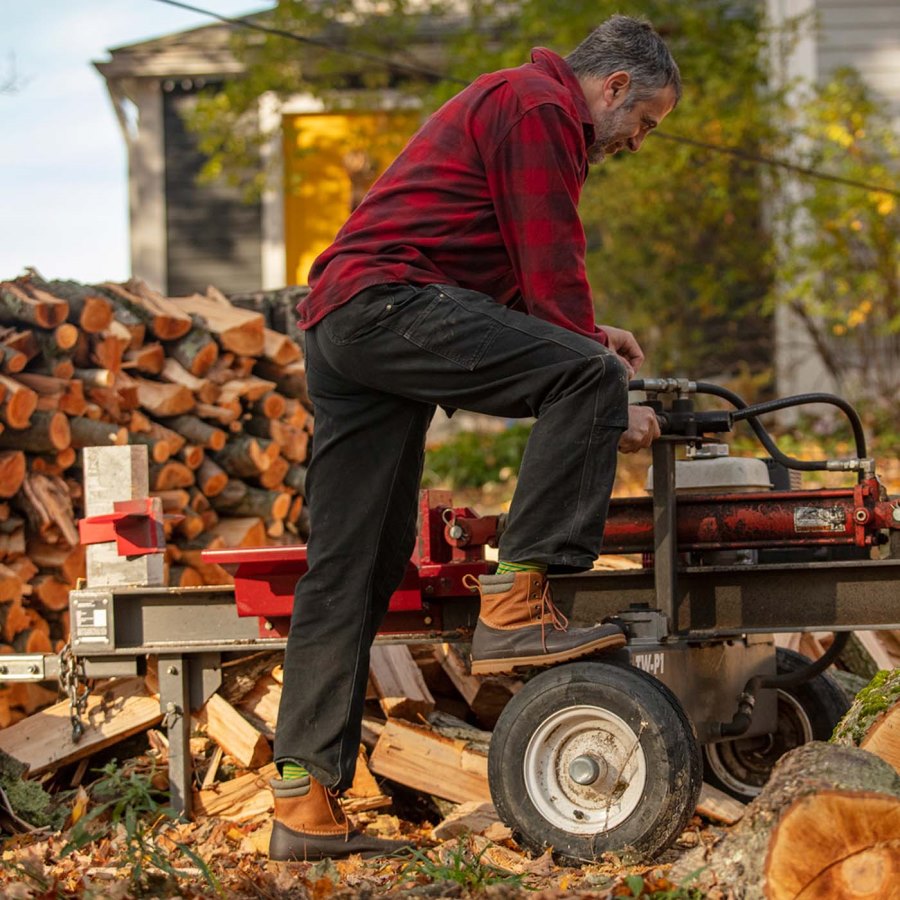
607,136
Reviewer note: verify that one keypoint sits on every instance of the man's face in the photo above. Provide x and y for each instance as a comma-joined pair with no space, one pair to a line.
620,123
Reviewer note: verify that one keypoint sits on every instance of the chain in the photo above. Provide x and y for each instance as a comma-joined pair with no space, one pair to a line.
74,683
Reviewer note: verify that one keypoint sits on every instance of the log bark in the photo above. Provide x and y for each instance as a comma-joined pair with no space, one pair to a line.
163,317
47,432
197,351
164,399
47,503
64,394
242,457
196,431
91,310
873,721
17,306
202,388
211,479
826,824
90,433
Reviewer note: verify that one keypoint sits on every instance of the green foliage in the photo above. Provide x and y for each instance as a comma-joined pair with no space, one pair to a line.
460,866
128,812
837,264
473,459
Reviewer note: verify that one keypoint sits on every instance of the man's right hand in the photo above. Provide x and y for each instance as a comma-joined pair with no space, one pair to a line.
642,431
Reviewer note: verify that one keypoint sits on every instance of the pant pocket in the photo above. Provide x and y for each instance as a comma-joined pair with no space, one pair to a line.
450,325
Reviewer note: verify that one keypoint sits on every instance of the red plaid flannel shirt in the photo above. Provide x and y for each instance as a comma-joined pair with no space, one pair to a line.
484,196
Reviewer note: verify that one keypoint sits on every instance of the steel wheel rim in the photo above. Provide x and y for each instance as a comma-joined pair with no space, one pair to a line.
569,735
726,759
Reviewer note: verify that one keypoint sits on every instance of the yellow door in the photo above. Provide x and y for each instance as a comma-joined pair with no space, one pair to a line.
330,161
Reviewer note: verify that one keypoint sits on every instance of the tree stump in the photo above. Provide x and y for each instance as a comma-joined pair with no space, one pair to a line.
827,824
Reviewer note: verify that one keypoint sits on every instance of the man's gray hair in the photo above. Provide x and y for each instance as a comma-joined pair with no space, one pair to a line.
623,43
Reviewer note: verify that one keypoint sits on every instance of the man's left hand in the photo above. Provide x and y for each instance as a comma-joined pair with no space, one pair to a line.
643,429
624,344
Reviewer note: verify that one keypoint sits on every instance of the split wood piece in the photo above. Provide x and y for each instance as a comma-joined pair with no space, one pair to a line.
44,741
11,360
486,696
151,358
164,398
51,593
12,540
107,350
10,590
273,477
197,351
168,475
243,500
20,341
32,640
16,306
17,403
96,377
295,513
280,348
233,733
247,389
23,567
211,573
244,797
224,415
873,721
90,433
32,697
401,689
472,817
372,729
717,806
47,504
241,675
290,379
12,472
47,432
163,317
211,478
183,577
202,388
243,457
826,824
192,456
364,794
67,563
174,500
237,330
89,309
264,427
196,431
64,394
294,442
162,442
427,761
190,525
271,405
245,531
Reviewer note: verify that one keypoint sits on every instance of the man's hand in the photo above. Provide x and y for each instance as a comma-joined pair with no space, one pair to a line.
643,429
624,344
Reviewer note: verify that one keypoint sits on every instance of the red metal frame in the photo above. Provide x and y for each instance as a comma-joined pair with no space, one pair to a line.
452,539
136,526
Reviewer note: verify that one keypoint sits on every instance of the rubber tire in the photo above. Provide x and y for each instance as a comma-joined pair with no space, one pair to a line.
823,702
673,761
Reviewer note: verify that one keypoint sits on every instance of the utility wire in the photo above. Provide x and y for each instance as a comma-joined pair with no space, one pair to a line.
453,79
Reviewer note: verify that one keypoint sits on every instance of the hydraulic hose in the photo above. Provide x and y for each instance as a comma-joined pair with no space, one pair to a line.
744,715
751,413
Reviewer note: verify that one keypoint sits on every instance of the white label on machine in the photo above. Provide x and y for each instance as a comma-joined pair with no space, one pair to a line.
651,663
818,518
92,622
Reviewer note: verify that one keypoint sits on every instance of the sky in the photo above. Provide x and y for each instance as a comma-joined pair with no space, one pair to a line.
63,162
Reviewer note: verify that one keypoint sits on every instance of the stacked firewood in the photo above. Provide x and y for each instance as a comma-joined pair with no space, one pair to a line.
216,394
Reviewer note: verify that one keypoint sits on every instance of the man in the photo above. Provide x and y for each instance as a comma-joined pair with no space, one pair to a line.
460,282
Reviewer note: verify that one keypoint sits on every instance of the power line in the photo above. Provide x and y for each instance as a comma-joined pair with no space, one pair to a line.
434,75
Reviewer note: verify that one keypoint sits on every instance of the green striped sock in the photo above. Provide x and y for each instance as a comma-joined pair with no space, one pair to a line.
514,567
290,771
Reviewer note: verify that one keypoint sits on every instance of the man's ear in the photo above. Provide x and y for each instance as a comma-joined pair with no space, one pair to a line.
615,88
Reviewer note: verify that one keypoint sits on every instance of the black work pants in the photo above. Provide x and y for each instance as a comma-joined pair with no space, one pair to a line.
376,369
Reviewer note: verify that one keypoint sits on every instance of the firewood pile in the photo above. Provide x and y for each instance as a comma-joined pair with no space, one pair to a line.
214,391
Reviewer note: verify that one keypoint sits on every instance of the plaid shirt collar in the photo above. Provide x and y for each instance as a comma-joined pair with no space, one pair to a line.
556,67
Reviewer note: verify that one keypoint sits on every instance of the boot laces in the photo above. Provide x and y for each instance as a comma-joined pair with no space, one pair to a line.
549,610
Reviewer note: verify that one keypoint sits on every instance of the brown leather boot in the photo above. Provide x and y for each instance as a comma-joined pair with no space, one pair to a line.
519,626
310,824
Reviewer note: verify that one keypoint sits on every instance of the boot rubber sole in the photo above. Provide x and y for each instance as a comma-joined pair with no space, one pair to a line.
507,664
